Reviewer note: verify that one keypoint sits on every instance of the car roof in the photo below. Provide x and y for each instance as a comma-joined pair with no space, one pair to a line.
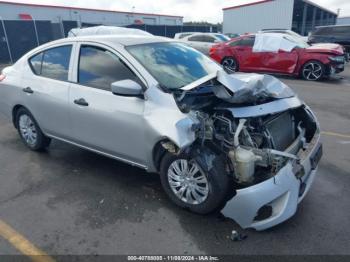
206,33
331,26
124,40
183,33
275,29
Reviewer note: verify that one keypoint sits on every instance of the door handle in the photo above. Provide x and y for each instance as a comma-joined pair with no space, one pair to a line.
28,90
81,102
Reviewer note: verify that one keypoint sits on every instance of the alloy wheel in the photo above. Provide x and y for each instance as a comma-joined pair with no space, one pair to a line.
28,130
188,182
312,71
230,64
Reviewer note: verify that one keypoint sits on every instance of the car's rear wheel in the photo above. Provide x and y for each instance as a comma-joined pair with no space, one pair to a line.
188,186
313,71
30,132
230,64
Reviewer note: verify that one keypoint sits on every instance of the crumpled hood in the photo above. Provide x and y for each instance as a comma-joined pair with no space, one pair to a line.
245,88
326,48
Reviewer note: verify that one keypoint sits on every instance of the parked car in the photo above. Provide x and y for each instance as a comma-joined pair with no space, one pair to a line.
339,34
204,41
310,62
303,38
183,34
215,139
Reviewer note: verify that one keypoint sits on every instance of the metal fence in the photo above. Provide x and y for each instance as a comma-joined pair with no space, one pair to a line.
19,37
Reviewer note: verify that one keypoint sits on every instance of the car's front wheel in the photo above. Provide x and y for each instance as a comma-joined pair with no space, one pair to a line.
190,187
313,71
30,132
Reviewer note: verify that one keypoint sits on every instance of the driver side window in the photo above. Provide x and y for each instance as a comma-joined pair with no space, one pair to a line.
196,38
99,68
208,39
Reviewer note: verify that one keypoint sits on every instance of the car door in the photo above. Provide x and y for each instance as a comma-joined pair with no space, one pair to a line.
46,87
281,62
100,120
248,60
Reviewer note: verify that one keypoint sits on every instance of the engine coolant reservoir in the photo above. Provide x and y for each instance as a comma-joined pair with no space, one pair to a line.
244,164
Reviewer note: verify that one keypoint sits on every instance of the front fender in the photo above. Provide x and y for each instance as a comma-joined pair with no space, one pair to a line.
164,120
173,126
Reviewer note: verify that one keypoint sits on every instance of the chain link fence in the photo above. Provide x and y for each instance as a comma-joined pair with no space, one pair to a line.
19,37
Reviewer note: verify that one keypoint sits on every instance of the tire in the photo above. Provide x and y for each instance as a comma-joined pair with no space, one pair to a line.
30,132
313,71
218,185
230,64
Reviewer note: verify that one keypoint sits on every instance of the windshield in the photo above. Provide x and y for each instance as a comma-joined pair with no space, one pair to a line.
223,38
292,33
173,65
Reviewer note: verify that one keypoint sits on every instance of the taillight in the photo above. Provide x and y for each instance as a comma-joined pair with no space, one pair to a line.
2,77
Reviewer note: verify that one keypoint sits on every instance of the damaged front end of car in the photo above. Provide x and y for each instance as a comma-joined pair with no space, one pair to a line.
267,139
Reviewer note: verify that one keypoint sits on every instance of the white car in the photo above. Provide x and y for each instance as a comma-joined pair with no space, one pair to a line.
242,143
203,42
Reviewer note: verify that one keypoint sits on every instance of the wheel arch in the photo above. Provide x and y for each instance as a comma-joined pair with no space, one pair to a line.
159,151
14,113
308,61
326,68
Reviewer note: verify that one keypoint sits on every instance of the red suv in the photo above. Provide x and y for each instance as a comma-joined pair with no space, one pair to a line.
310,62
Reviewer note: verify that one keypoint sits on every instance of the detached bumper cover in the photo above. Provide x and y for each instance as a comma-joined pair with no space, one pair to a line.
282,193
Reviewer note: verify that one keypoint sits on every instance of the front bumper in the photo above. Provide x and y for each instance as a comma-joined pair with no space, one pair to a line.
281,193
335,68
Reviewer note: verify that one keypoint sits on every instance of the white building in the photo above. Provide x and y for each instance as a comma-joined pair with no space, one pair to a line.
301,16
56,14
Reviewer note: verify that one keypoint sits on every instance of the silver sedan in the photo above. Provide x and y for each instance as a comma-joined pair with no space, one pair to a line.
242,143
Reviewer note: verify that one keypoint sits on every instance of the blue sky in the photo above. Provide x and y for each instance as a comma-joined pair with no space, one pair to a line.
192,10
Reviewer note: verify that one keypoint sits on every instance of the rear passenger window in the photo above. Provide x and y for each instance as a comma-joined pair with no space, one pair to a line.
196,38
52,63
99,68
56,63
36,62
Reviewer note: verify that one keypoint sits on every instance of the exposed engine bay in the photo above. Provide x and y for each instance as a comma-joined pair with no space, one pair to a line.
256,148
253,148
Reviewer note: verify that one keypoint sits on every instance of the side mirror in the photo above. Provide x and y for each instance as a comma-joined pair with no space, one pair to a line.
216,41
126,88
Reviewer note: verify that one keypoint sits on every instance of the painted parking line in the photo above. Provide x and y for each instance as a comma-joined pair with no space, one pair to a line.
22,244
335,134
